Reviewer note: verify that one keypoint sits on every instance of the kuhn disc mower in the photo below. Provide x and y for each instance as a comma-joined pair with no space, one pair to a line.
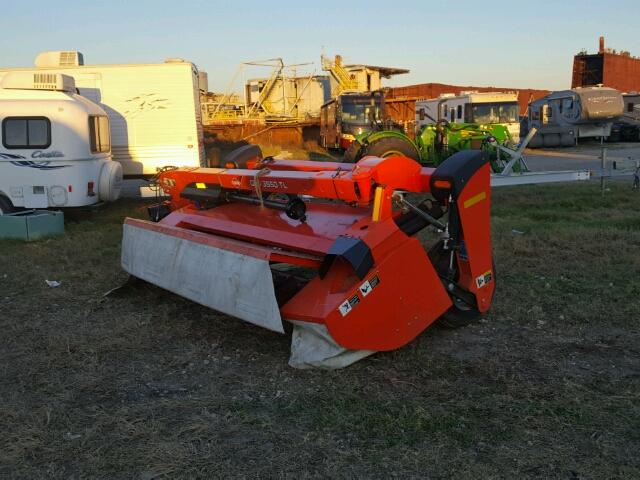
329,247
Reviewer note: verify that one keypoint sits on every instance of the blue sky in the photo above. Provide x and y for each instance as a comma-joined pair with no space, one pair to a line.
511,44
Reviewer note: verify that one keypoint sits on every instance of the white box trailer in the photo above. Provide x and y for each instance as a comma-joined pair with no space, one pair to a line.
472,107
54,145
154,109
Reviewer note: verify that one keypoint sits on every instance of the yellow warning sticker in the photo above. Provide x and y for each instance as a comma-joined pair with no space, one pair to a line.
475,199
201,185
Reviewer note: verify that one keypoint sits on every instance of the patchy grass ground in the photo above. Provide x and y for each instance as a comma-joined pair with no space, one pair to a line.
144,384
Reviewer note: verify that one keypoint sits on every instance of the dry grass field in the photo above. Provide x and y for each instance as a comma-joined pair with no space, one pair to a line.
144,384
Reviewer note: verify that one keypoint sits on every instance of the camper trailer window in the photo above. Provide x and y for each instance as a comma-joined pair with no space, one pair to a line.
99,133
26,132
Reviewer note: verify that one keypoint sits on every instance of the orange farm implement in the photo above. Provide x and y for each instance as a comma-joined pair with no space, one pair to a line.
330,247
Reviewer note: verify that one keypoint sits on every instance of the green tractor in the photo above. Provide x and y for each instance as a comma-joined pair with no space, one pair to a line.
434,143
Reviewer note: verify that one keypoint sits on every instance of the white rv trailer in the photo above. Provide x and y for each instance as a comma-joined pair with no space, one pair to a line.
54,145
472,107
154,108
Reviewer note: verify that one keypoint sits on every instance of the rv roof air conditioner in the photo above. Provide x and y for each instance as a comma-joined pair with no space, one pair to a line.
38,81
70,58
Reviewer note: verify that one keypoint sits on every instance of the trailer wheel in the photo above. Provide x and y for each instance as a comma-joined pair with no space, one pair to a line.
5,205
392,147
110,181
352,155
460,314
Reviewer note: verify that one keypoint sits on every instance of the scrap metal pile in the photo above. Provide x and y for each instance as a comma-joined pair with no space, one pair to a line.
329,247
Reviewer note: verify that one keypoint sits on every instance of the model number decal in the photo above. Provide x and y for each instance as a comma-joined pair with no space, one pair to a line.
269,184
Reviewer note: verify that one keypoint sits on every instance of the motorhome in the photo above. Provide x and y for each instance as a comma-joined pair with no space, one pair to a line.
54,145
154,109
485,108
563,117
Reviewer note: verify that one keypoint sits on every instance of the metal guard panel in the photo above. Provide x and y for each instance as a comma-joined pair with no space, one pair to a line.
234,283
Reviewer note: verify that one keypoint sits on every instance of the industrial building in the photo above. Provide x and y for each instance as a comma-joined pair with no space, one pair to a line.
283,95
608,68
287,97
284,105
358,77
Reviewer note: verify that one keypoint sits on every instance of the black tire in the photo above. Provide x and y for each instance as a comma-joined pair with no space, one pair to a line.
352,154
459,314
5,205
391,146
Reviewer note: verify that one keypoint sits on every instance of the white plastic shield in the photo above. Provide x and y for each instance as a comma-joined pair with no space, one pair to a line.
232,283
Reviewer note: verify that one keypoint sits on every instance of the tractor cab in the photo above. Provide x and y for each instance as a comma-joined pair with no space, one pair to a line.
349,115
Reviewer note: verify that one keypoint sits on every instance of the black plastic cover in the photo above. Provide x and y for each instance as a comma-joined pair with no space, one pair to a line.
211,192
457,169
354,251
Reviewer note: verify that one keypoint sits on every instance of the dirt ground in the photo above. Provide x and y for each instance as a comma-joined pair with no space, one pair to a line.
143,384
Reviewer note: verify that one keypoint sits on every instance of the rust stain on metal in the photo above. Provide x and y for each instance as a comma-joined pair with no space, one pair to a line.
260,132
